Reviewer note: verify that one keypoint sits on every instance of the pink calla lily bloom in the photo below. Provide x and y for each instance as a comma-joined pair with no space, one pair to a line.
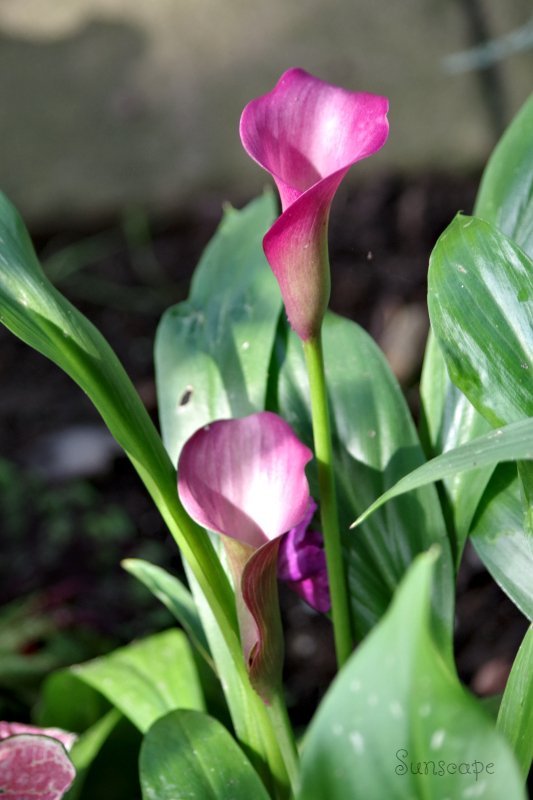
245,479
307,134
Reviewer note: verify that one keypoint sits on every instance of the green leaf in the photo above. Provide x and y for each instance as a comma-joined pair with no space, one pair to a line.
515,719
481,307
212,356
505,196
397,711
448,421
147,679
68,703
188,754
500,540
175,596
36,312
375,444
212,352
509,443
87,748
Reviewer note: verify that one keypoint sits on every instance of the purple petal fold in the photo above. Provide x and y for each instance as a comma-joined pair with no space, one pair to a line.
245,478
307,133
302,563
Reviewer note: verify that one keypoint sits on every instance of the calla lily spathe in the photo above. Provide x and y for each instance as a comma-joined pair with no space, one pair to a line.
307,134
245,479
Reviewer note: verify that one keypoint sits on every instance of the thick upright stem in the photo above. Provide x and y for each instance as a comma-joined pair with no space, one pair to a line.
328,499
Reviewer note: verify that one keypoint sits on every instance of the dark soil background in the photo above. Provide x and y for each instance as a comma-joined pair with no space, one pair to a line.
71,506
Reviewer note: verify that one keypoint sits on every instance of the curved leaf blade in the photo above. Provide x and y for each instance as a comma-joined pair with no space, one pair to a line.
396,723
509,443
212,351
188,754
515,718
501,542
479,277
505,196
175,596
146,679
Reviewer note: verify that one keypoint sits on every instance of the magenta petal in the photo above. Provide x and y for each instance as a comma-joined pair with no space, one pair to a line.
14,728
307,133
34,767
306,129
314,590
302,564
245,478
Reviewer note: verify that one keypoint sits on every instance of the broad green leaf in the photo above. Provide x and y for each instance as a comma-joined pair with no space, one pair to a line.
500,540
448,421
505,200
212,356
509,443
188,754
515,719
481,307
175,596
397,724
147,679
505,196
212,351
375,444
37,313
68,703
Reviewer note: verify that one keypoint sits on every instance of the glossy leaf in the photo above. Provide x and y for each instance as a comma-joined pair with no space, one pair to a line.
397,724
500,540
448,421
505,200
374,445
515,719
481,307
188,754
212,356
505,196
509,443
146,679
36,312
175,596
212,351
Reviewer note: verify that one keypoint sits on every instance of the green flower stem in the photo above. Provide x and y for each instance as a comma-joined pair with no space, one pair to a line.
328,500
277,711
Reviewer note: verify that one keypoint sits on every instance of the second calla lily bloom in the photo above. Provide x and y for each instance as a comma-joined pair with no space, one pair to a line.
245,479
307,134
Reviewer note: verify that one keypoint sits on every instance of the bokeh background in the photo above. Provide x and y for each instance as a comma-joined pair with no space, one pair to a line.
119,144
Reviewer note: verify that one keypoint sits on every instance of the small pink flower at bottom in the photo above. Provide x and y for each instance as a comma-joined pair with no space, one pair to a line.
33,762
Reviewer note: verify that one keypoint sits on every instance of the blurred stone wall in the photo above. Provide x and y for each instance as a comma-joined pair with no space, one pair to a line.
105,103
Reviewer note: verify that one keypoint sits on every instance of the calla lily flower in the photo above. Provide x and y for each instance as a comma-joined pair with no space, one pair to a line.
307,134
245,479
